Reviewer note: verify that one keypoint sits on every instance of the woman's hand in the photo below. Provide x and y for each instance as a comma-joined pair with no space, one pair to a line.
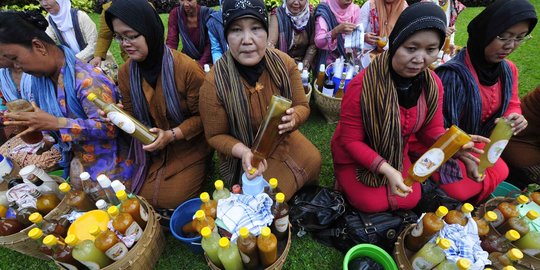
164,138
450,30
95,62
104,115
371,38
247,157
37,120
468,149
395,180
472,169
287,121
343,28
517,122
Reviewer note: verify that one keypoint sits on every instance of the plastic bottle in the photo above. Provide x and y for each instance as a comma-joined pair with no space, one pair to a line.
461,264
501,134
328,87
459,217
320,77
247,244
62,253
506,210
116,185
76,199
500,260
132,207
535,197
108,243
305,80
201,220
210,245
520,224
105,184
221,192
23,214
44,183
425,228
430,255
91,188
102,205
507,268
10,226
483,223
86,253
50,226
341,89
272,188
500,243
267,245
530,243
124,223
37,235
208,206
228,255
280,211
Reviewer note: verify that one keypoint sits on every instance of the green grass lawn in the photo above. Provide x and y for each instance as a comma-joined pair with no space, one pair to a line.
306,253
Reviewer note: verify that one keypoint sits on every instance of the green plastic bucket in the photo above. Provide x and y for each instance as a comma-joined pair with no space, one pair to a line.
505,189
374,252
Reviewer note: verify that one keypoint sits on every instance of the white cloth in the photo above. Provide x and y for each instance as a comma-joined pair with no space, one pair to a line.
63,17
89,33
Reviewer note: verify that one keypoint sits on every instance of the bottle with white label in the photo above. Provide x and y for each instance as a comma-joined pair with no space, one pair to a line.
124,223
86,253
247,244
280,211
425,229
108,243
62,253
132,207
499,138
124,121
430,255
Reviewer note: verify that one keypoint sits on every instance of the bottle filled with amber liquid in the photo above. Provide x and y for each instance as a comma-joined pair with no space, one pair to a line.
247,244
499,138
62,253
77,199
459,216
50,226
507,210
500,260
425,228
267,245
320,77
483,223
341,89
280,211
132,207
108,243
208,206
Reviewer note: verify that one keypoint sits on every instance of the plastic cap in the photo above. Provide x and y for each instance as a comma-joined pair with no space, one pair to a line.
117,185
84,176
206,68
532,215
205,197
113,211
305,74
206,232
490,216
121,194
273,182
64,187
35,233
515,254
252,171
322,68
104,181
300,66
71,240
224,242
199,215
467,208
35,217
280,197
522,199
265,231
24,172
509,267
218,184
441,211
94,230
444,243
512,235
50,240
244,232
101,204
91,96
463,264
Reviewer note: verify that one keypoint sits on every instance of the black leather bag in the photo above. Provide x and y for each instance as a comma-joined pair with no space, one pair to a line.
433,197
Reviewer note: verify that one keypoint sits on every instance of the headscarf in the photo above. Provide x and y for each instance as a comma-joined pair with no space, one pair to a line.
300,20
349,14
491,22
144,19
235,9
395,10
63,18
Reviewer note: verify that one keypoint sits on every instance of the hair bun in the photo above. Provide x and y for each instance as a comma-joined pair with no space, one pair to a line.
35,18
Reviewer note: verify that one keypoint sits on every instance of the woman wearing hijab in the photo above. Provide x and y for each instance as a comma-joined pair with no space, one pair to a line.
481,88
379,18
188,20
60,85
291,30
235,96
333,20
71,27
395,97
160,87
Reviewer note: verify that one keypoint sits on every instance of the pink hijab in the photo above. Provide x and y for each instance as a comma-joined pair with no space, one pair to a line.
349,14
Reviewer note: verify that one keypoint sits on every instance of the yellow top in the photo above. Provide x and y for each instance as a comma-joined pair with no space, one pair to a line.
508,268
280,197
522,199
252,171
463,264
3,210
205,197
441,211
273,182
444,243
50,240
91,96
64,187
490,216
113,211
206,232
121,195
244,232
199,215
218,184
265,232
35,233
224,242
467,208
512,235
71,240
35,218
515,254
532,215
94,230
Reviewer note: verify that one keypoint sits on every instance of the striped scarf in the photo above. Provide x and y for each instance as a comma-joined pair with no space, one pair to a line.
286,30
381,117
187,45
230,91
324,10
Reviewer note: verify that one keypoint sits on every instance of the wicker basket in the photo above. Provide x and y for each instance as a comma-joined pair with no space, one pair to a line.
401,254
329,106
283,251
20,241
308,94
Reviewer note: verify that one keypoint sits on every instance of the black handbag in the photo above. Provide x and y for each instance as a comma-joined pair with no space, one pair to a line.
433,197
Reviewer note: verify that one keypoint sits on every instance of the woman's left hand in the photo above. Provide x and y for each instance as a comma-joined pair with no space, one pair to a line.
287,121
164,138
37,120
518,122
468,149
472,169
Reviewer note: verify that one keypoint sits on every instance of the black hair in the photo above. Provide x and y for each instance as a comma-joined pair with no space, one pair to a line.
20,27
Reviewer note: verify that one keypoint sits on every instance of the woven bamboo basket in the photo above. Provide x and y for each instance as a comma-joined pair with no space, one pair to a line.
401,254
283,252
20,241
329,106
308,94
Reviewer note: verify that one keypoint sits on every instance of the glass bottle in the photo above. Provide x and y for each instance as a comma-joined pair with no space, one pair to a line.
499,243
208,206
530,244
483,223
247,244
461,264
221,192
500,260
228,255
268,133
50,226
86,253
44,183
21,105
329,87
124,121
10,226
124,223
116,185
210,245
341,89
499,138
305,80
425,228
77,199
430,255
23,214
105,184
46,203
445,147
91,188
273,188
535,197
201,220
506,210
520,224
320,77
280,211
267,245
37,235
132,207
459,217
108,243
62,253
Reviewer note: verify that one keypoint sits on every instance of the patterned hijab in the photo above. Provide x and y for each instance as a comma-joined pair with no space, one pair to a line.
300,20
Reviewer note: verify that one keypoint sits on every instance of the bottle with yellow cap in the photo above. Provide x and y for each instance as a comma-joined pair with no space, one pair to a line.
507,268
50,226
210,245
201,220
86,253
460,264
221,192
530,243
267,245
132,207
500,260
502,132
108,243
430,255
499,243
37,235
228,255
280,211
520,224
425,228
459,216
506,210
124,223
208,206
247,244
483,223
76,199
535,197
62,253
123,120
272,189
